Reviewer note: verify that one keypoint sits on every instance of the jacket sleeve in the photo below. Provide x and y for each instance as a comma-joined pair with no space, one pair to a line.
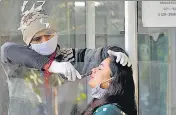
90,58
99,53
12,53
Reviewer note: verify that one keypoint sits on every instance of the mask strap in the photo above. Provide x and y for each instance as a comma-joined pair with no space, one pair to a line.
107,80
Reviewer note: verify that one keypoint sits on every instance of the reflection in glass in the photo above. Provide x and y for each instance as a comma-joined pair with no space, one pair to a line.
69,21
109,23
153,74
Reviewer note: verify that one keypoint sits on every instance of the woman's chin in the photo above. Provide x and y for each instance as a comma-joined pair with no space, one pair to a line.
90,83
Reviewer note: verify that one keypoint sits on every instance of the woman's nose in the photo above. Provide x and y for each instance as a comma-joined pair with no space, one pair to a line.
93,70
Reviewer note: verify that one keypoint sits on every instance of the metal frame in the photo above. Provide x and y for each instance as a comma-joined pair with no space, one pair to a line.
90,24
131,39
90,33
171,94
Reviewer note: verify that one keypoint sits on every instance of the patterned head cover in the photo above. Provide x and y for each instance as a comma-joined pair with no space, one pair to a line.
33,21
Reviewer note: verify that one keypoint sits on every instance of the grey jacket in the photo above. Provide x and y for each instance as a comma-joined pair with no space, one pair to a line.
18,59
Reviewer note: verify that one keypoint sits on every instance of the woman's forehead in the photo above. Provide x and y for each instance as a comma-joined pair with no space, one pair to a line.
106,62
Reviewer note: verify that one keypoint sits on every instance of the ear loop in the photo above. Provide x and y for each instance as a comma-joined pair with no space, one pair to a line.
107,80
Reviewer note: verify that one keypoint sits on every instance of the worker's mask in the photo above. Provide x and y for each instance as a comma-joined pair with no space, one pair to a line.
46,48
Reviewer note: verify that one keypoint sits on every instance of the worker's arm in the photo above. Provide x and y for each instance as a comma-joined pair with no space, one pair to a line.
99,54
12,53
90,58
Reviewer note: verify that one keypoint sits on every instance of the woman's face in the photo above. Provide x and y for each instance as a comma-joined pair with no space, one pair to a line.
101,74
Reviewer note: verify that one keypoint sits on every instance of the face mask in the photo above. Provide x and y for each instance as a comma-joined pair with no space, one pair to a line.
46,48
99,92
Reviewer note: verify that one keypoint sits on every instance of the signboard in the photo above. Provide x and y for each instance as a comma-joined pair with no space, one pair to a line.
159,13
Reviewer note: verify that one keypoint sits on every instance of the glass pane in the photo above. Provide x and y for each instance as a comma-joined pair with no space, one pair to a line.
68,19
153,74
154,54
109,23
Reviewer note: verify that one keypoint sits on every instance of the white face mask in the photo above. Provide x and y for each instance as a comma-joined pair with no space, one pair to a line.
46,48
99,92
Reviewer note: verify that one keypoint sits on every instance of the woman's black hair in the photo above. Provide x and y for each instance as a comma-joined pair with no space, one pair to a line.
121,90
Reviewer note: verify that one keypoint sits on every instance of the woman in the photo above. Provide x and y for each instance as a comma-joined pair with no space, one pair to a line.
112,89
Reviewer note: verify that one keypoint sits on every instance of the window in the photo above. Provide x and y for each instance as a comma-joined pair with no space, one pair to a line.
109,23
155,53
69,18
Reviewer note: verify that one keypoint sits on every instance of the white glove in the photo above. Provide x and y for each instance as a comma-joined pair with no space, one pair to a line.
65,68
121,57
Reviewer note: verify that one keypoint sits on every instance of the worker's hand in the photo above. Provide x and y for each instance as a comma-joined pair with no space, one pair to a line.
66,69
121,57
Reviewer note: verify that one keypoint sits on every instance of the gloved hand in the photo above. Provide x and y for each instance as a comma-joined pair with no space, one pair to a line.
65,68
121,57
